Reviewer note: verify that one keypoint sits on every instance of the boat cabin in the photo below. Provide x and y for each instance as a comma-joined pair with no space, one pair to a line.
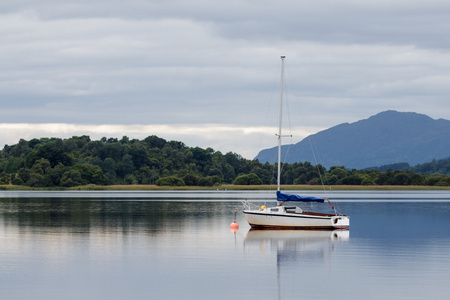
284,209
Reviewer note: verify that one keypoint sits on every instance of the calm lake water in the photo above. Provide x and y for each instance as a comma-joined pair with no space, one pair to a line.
178,245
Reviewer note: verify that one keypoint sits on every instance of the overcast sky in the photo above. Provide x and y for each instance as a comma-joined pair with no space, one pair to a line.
207,72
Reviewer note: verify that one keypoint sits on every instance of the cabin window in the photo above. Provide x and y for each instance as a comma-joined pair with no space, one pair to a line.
274,209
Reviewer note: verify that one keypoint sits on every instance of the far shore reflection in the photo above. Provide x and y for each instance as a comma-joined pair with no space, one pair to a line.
293,243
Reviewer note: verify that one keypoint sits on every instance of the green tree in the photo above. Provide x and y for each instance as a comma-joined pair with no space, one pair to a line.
17,181
109,166
340,172
367,180
127,164
330,179
24,174
5,178
155,142
52,154
35,180
191,179
98,177
55,174
248,179
13,164
170,181
401,178
130,179
205,181
301,179
41,166
71,178
353,179
125,140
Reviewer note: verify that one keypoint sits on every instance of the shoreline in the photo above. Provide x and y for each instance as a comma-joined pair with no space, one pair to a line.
230,187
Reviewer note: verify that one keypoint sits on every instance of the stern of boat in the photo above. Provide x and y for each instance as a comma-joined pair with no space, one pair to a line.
340,221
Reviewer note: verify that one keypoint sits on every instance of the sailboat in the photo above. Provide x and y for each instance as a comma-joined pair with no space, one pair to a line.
291,217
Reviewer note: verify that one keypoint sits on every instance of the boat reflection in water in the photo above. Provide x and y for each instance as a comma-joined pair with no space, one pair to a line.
295,251
295,241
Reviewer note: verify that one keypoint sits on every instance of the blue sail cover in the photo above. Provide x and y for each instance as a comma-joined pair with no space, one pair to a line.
288,197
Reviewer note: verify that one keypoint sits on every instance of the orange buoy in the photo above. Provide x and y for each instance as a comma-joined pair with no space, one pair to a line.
234,226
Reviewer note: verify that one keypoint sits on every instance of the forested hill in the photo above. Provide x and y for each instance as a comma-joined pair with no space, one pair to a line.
78,161
387,138
54,162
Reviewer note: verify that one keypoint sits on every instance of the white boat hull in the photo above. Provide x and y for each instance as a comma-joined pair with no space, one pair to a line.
288,220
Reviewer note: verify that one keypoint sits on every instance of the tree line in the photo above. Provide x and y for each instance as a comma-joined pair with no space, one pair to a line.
441,166
55,162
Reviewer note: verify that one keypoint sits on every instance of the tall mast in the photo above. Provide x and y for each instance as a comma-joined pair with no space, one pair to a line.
280,124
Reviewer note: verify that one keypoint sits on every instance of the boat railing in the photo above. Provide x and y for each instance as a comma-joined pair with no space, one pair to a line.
248,205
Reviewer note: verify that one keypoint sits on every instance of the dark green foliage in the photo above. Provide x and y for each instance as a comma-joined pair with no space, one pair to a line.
205,181
53,154
170,181
155,142
13,164
71,178
17,181
127,164
5,178
441,166
216,180
209,181
52,162
191,179
248,179
48,162
354,179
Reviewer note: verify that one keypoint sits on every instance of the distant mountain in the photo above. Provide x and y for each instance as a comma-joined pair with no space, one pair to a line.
386,138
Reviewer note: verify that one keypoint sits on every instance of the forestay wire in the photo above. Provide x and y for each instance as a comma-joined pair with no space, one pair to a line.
313,147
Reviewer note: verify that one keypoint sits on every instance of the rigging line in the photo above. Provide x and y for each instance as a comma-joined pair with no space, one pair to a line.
311,146
273,178
314,145
314,149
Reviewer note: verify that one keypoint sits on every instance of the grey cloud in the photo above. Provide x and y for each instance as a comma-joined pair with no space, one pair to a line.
196,62
421,23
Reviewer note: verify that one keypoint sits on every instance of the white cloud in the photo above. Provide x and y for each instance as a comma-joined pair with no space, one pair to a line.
195,62
246,141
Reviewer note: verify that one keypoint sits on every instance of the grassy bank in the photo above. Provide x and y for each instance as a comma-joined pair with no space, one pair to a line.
92,187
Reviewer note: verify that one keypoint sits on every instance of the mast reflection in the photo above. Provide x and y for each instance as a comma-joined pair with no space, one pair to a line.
292,247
